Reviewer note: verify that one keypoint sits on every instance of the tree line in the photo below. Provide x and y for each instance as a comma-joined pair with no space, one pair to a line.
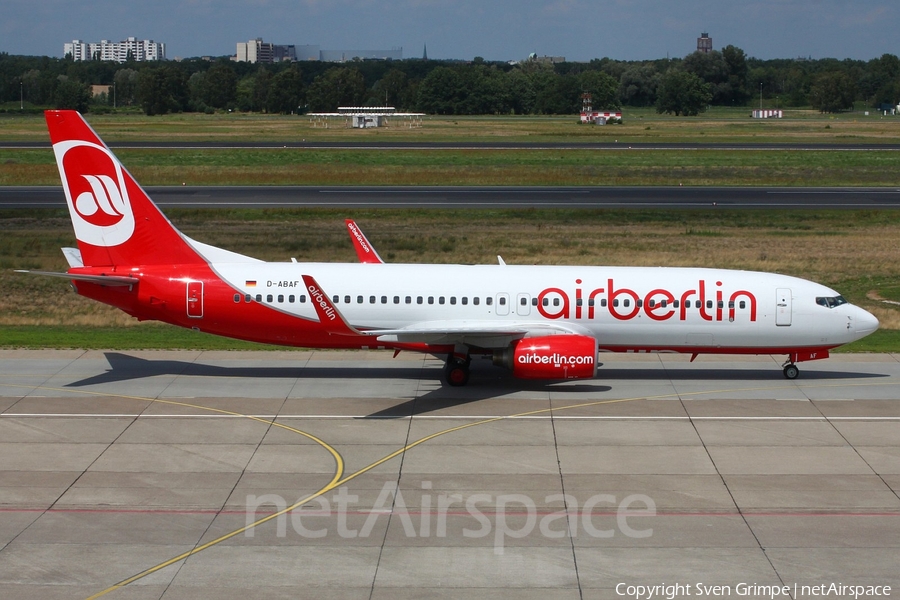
681,86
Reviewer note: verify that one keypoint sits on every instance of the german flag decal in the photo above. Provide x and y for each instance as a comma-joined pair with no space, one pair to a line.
251,283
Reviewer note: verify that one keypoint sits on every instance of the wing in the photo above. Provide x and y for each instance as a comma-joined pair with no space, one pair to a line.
483,334
480,334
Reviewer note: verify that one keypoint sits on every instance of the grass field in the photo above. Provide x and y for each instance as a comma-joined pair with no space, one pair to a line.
624,166
640,125
295,166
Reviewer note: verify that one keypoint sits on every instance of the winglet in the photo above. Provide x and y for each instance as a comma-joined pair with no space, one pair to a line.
364,250
329,316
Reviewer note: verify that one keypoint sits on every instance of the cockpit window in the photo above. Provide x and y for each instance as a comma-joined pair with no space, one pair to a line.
830,301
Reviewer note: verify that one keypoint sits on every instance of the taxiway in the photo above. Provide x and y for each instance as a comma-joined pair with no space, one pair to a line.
176,474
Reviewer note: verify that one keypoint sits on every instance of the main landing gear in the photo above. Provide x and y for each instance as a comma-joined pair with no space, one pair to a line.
456,371
791,371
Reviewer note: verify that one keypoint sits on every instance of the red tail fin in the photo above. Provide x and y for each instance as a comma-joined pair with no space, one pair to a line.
115,221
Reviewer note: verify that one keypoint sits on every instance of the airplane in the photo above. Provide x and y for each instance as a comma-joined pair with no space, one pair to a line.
541,322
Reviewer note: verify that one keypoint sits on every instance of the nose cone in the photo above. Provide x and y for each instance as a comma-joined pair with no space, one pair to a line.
864,322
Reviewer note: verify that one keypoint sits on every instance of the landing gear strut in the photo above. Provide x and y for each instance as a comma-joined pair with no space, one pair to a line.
456,371
791,371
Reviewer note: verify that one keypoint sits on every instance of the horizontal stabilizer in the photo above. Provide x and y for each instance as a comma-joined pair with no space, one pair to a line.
99,279
73,257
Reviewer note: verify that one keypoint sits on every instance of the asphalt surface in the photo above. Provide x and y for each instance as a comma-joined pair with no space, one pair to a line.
482,197
114,466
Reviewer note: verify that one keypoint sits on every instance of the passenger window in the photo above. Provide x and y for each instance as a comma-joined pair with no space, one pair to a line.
440,299
523,301
534,301
616,302
489,301
281,298
302,298
556,302
409,299
626,302
638,303
384,299
452,299
709,304
259,297
674,303
742,304
359,299
335,299
545,302
419,299
720,304
731,304
651,303
603,302
465,300
346,299
371,299
291,299
475,300
591,302
430,299
248,298
237,298
269,298
663,303
502,301
396,299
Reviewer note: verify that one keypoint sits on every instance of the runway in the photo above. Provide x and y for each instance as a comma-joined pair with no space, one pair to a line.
482,197
181,475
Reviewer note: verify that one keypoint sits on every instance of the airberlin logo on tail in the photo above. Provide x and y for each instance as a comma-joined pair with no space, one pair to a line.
95,191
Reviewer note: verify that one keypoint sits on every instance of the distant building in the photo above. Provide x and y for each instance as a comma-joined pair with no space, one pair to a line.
139,50
704,43
307,52
255,51
547,60
345,55
258,51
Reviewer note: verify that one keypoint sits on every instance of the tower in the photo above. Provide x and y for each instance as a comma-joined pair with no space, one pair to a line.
704,43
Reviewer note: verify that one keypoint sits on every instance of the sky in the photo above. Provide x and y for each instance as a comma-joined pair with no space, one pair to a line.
504,30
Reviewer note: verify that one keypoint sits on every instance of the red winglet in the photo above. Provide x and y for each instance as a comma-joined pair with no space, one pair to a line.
364,250
329,316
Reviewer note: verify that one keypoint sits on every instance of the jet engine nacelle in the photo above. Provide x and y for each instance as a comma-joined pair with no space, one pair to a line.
550,357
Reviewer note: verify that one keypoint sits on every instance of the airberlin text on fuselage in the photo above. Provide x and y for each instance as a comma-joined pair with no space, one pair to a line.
710,301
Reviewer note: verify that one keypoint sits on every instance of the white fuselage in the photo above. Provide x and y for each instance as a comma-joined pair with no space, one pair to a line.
624,308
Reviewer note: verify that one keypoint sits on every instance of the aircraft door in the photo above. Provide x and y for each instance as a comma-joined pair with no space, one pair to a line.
523,305
783,307
502,304
195,299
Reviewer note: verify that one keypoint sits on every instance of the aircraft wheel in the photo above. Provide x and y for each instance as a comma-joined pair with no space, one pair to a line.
456,373
791,371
